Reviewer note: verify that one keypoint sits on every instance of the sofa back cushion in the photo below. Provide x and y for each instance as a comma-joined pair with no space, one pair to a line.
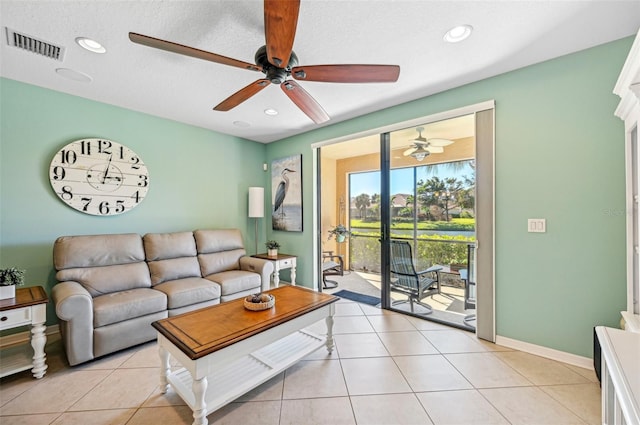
219,250
102,263
108,279
171,256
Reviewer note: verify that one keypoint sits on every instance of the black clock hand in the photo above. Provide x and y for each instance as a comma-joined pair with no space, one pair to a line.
106,171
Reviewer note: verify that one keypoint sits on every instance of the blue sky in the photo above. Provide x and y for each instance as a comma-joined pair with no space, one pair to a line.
401,179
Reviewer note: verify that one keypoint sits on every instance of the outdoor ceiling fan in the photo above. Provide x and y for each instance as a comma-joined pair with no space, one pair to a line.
278,62
423,147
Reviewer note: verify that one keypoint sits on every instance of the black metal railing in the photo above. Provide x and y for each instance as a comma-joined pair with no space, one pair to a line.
364,252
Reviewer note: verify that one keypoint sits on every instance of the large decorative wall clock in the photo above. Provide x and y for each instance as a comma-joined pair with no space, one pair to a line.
99,177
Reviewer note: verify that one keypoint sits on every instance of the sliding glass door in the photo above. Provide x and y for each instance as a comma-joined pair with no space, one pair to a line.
416,183
431,219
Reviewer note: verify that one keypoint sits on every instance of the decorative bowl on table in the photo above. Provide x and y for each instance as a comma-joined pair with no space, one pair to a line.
257,302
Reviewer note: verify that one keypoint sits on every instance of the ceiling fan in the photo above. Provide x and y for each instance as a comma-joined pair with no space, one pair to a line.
423,147
278,62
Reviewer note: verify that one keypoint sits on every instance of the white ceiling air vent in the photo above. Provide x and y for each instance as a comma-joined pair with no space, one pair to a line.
34,45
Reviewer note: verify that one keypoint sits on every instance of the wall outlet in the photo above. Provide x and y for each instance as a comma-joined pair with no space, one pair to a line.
537,225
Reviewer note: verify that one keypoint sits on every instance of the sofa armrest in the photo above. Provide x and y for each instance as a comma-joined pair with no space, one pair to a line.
257,265
74,307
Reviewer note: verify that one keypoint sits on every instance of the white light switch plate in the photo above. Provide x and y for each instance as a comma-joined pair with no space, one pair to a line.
537,225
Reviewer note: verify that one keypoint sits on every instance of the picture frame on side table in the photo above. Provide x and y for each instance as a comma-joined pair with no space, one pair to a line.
286,193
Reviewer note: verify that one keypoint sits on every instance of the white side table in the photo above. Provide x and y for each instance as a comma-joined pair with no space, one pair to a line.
281,262
29,307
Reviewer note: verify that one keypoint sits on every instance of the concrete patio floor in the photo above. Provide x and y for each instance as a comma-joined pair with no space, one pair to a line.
448,306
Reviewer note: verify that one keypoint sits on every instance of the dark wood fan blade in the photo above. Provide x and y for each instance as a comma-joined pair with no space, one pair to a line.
170,46
280,22
304,101
242,95
347,73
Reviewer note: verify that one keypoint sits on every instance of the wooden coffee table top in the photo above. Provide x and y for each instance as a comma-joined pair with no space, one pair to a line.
201,332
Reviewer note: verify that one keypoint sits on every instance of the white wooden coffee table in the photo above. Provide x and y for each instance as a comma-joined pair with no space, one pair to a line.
226,350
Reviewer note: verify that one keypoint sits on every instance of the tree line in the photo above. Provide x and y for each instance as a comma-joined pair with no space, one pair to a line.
433,201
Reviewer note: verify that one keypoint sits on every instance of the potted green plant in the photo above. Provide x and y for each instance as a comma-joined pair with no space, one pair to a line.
339,232
272,248
9,279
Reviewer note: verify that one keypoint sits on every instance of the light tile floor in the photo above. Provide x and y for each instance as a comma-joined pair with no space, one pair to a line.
387,369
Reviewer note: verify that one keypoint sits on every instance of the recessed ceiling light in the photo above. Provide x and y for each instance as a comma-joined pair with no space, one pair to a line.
90,45
457,34
74,75
242,124
270,111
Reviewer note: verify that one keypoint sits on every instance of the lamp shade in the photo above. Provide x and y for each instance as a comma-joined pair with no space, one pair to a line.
256,202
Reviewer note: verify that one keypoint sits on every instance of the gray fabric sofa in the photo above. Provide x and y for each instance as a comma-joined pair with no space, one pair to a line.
112,287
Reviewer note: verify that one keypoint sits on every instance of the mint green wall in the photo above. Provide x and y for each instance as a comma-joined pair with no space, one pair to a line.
199,178
559,156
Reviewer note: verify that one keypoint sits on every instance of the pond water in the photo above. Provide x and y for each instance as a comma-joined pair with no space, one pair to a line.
409,232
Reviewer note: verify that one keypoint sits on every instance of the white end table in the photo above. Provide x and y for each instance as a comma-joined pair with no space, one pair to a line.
281,262
28,307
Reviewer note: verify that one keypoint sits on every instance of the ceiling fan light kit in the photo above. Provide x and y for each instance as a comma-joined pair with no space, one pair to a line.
420,154
423,147
279,63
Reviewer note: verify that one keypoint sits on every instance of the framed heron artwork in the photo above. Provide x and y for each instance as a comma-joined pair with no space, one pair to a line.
286,193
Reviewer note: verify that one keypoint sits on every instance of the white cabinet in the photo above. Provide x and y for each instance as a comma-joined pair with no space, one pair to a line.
620,376
628,89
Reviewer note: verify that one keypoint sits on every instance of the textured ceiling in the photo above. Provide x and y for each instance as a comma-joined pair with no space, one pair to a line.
507,35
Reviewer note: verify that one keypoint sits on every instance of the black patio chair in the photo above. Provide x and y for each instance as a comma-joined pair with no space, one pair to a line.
332,265
406,280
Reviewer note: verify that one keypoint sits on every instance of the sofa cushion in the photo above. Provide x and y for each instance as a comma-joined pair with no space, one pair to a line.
163,246
208,241
97,250
183,292
124,305
219,250
175,268
220,261
108,279
236,281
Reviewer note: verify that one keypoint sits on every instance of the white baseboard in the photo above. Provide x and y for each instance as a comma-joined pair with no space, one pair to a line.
52,332
549,353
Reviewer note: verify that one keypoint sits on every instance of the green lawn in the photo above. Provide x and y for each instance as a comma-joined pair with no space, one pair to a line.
461,224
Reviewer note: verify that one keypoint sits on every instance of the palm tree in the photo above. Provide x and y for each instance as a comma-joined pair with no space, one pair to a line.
453,186
375,205
443,193
362,202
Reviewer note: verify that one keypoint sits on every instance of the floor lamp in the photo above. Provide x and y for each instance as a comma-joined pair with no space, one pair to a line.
256,207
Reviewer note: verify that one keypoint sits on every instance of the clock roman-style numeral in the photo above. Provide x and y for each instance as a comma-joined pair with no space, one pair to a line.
59,173
104,146
66,193
85,147
68,157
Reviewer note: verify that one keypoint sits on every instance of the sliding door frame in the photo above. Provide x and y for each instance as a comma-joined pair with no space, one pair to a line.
485,224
